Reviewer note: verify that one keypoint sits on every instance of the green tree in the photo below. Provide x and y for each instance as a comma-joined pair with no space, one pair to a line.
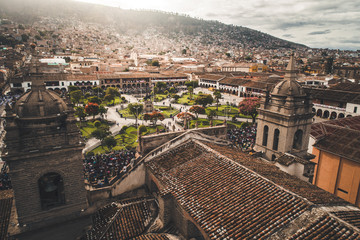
102,111
142,129
172,90
100,134
194,84
135,109
176,97
211,114
217,95
112,93
155,63
109,142
191,91
80,113
161,86
73,88
24,37
204,99
94,99
20,26
76,96
184,51
98,91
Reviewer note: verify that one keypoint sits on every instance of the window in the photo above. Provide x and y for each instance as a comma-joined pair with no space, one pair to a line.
51,187
298,139
265,135
276,139
355,109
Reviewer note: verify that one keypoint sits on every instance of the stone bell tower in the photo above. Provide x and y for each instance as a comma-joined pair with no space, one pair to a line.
285,118
43,151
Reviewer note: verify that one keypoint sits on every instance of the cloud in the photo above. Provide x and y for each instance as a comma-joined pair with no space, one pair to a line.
288,36
320,32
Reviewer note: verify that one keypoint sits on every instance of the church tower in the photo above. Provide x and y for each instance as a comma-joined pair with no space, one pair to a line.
285,118
44,154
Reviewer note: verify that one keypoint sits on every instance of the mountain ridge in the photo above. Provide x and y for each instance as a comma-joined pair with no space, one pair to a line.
138,21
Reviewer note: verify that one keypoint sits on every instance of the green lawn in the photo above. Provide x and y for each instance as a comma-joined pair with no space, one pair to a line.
167,111
159,97
230,111
126,140
185,99
203,122
88,127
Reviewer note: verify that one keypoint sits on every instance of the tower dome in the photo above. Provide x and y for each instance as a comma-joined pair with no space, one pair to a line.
289,86
39,103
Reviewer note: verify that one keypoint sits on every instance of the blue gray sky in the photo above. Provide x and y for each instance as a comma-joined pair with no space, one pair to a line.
315,23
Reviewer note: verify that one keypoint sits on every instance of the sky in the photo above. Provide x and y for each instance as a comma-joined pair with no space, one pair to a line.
331,24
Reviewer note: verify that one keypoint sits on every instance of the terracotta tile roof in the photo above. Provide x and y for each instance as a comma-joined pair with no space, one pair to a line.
287,159
352,217
342,142
152,236
123,220
335,95
340,137
312,193
326,227
5,211
234,81
213,77
130,221
350,87
226,199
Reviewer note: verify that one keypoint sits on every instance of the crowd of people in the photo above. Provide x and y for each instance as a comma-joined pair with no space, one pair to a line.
100,169
243,138
5,182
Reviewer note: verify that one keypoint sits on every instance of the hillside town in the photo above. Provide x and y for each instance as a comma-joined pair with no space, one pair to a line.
106,135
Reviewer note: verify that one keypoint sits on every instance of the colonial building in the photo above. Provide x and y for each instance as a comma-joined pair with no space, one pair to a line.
336,147
43,152
284,123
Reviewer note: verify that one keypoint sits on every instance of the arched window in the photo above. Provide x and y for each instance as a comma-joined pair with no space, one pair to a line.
276,139
51,187
298,139
265,135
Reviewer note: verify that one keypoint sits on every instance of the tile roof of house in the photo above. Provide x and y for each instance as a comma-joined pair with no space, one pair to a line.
287,159
352,217
340,137
350,87
124,220
335,95
326,227
215,77
152,236
5,212
343,142
236,81
233,195
319,130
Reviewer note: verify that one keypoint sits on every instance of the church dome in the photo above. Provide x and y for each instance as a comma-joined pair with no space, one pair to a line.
288,88
39,103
